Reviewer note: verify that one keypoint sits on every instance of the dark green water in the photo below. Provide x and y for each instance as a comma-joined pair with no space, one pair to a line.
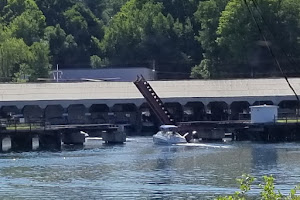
141,170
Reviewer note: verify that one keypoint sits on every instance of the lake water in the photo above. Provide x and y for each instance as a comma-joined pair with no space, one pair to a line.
141,170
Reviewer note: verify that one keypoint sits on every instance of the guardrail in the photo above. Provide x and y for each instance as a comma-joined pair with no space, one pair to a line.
16,125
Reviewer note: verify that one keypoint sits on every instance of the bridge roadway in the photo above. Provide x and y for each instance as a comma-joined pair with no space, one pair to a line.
110,93
39,128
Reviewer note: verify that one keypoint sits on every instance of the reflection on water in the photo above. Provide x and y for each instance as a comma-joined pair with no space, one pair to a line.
141,170
264,156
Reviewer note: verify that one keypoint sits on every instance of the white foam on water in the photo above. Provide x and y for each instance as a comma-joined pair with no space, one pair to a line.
204,145
93,138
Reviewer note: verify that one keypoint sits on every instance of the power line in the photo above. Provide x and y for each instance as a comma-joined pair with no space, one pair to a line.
291,60
271,51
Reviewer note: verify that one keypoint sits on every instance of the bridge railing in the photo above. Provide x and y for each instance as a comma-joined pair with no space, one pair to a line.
29,125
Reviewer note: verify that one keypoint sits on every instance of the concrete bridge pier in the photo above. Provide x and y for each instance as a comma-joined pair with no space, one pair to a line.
73,137
50,140
5,143
21,142
115,136
1,142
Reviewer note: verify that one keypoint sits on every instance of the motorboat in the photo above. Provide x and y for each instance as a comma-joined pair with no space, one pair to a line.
168,134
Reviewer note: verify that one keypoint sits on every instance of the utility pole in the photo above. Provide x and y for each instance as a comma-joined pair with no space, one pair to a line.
57,73
154,69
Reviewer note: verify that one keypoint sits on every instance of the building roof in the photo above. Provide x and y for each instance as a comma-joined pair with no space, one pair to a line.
110,74
164,89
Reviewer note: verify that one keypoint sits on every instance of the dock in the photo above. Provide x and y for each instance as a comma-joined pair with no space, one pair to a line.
243,130
54,136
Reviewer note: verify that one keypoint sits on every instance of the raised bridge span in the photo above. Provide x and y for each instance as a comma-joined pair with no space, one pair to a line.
89,102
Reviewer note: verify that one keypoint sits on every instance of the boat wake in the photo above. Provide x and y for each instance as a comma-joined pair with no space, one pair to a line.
204,145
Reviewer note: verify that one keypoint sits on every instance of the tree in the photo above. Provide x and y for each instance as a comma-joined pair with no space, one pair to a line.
83,25
40,63
179,9
243,44
13,8
207,15
127,30
97,62
13,53
105,9
24,19
61,44
202,71
54,9
29,26
140,34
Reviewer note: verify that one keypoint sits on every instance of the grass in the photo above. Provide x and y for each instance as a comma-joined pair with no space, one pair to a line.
23,127
288,121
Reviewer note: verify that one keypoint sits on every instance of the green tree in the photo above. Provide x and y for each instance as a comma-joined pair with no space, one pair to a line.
24,19
54,9
140,34
203,70
105,9
29,26
207,15
10,9
180,9
61,44
40,63
13,53
127,30
243,44
97,62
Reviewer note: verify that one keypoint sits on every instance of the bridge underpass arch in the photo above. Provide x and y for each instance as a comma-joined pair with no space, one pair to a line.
54,114
32,113
193,111
265,102
149,121
239,110
288,108
126,114
77,114
175,109
217,111
99,113
9,111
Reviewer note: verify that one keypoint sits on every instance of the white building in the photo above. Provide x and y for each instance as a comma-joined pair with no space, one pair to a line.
105,74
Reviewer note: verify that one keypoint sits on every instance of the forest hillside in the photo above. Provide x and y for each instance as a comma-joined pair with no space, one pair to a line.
181,38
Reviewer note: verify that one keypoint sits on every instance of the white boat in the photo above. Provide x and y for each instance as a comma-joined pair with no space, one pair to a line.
168,135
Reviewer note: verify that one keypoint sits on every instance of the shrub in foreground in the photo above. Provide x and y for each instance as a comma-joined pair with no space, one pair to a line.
267,192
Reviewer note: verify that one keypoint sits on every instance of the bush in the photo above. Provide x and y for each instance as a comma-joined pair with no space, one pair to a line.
267,192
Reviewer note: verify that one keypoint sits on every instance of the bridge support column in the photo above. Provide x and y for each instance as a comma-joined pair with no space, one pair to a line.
73,137
115,136
228,112
1,143
5,143
50,140
207,113
21,142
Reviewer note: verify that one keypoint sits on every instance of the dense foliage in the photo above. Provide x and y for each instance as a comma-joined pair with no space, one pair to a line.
179,38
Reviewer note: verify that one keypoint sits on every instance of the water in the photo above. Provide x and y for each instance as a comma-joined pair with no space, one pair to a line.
141,170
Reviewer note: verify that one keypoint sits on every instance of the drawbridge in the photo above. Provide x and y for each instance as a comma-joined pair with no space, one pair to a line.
206,130
155,103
